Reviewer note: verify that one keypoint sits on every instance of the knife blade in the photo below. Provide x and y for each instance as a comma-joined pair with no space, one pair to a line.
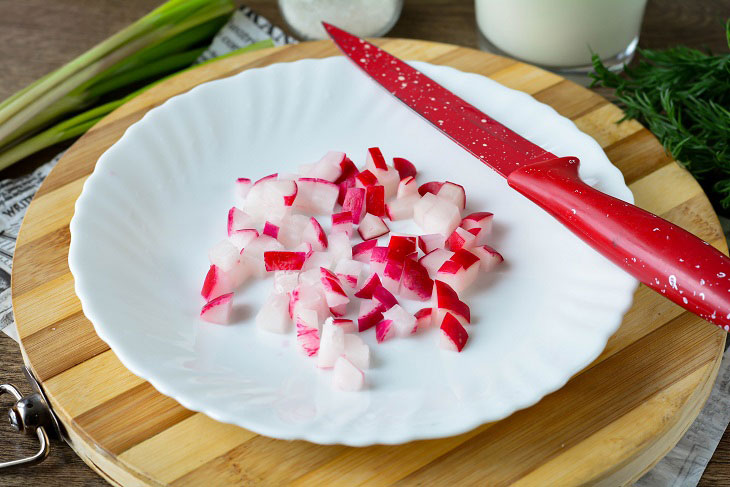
665,257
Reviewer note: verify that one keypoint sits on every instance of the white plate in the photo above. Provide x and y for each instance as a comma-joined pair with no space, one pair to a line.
157,201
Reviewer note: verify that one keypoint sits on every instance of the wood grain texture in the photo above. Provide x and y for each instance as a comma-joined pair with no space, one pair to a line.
659,366
35,38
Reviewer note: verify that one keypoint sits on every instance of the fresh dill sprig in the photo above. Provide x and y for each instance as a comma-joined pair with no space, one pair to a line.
683,96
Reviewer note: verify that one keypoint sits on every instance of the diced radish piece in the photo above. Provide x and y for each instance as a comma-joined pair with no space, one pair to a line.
429,187
453,336
224,255
384,330
413,256
366,291
384,298
270,177
291,230
317,260
340,247
348,326
314,234
316,196
356,350
415,283
238,220
355,203
285,281
434,260
370,314
481,220
399,246
401,208
342,223
436,215
241,238
346,376
348,170
363,250
307,169
254,252
218,310
389,179
308,339
372,226
271,230
331,345
430,242
241,189
284,261
305,247
404,167
308,297
216,284
333,290
375,200
375,160
328,167
349,272
461,239
365,178
274,314
267,199
444,299
311,277
464,258
392,275
307,318
338,311
456,275
488,256
407,187
424,319
403,321
454,193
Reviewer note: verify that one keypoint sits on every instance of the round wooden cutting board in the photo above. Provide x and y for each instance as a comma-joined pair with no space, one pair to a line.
607,426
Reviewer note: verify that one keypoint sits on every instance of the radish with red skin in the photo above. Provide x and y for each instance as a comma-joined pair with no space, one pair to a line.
218,310
430,242
433,260
314,234
308,297
308,339
415,283
375,160
224,255
371,284
317,260
362,251
384,330
369,315
407,187
241,238
344,186
305,247
384,298
430,187
488,257
334,293
357,351
392,275
342,223
241,189
404,167
378,259
375,200
372,226
454,193
401,208
457,275
339,311
346,376
349,272
436,215
365,178
403,321
348,170
239,220
481,220
348,326
355,203
424,319
452,335
254,252
464,258
216,284
329,167
389,179
284,261
461,239
307,318
399,246
274,314
444,299
271,230
270,177
316,196
331,345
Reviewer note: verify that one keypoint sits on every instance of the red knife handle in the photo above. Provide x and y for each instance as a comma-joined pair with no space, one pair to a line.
668,259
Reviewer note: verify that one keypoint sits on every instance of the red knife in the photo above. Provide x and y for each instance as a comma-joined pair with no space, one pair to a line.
663,256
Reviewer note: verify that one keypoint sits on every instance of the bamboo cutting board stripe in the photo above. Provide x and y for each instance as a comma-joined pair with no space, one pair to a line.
609,423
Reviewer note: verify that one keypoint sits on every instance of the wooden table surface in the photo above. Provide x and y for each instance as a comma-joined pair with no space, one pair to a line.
37,36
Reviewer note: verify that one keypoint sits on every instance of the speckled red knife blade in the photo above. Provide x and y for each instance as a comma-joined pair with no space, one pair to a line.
493,143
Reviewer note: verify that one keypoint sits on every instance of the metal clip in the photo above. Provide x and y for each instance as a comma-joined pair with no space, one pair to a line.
31,414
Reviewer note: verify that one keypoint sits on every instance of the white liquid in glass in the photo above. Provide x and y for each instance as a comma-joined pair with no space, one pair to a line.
560,33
